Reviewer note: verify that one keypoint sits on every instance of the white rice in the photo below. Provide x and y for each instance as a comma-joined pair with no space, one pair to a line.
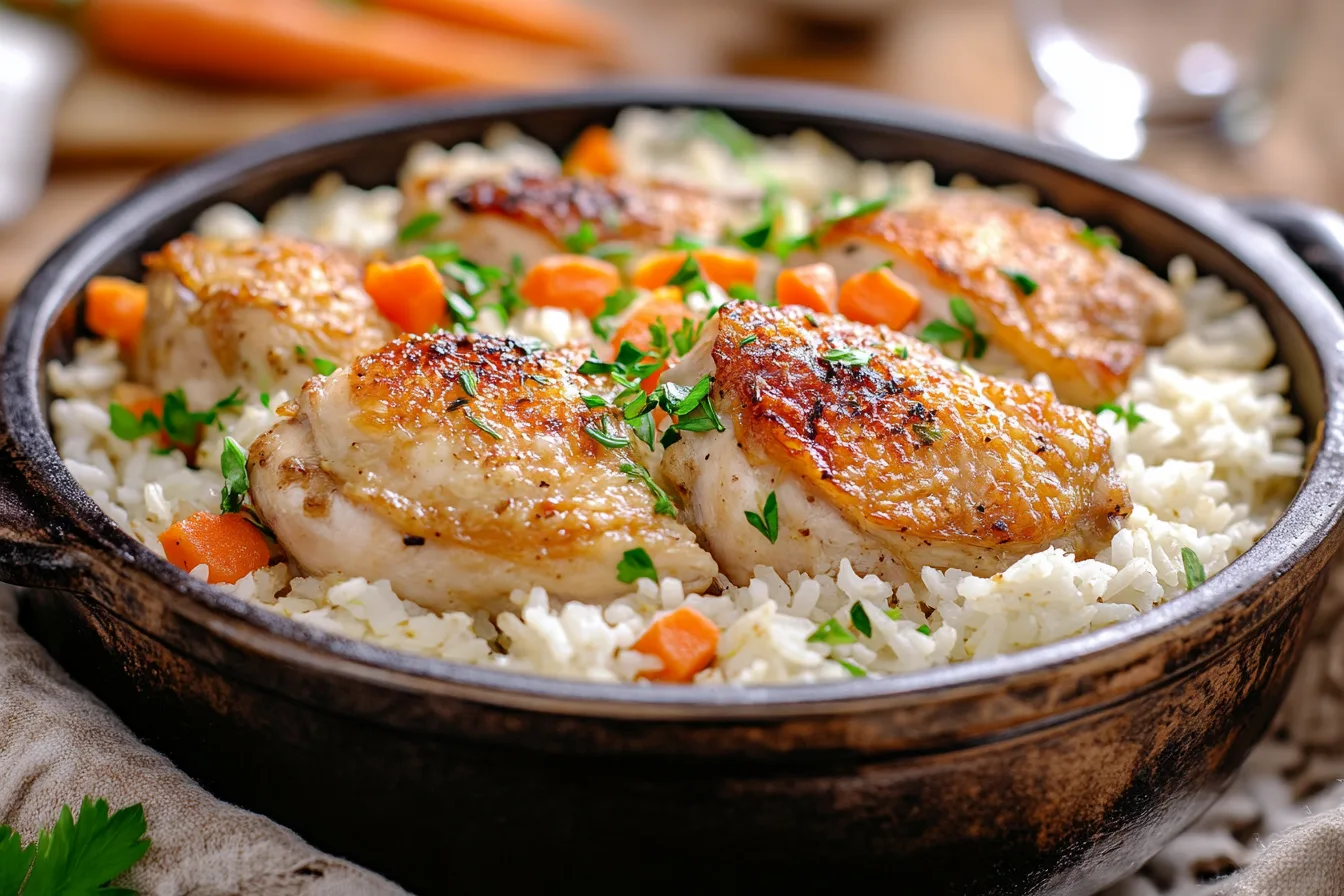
1209,470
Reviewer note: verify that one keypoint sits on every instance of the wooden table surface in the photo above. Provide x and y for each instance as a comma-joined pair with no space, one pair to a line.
114,128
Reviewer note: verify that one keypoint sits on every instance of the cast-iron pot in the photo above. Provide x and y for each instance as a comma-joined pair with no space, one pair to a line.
1055,770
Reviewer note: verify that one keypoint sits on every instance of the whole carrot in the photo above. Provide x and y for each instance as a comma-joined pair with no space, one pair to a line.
311,43
548,21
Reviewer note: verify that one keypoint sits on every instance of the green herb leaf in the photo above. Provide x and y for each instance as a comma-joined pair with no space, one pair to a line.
670,437
265,400
581,240
79,856
767,521
743,292
1094,240
681,242
612,305
482,426
467,380
1128,415
661,502
419,226
746,340
831,632
939,332
924,630
757,237
858,616
593,401
688,272
125,426
613,252
635,564
893,612
440,254
233,464
718,126
852,668
462,311
1194,569
928,432
901,352
693,398
961,312
1024,284
15,860
604,437
320,366
850,357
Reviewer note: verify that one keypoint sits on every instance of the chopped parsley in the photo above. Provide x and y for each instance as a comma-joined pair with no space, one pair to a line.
612,305
924,630
661,502
440,254
850,357
603,436
462,311
321,366
831,632
1128,415
233,464
812,239
893,612
1024,284
581,241
635,564
1095,240
475,279
593,401
482,426
177,423
468,381
811,318
767,521
744,292
682,242
757,237
964,331
746,341
682,340
1194,570
419,226
612,251
688,273
858,617
716,125
265,400
78,855
928,432
853,669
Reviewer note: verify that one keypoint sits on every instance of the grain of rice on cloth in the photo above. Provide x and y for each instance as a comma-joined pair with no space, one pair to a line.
1212,466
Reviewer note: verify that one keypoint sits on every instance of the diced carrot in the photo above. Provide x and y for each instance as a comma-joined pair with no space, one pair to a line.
684,640
230,545
812,286
879,297
408,292
574,282
594,153
114,308
727,266
719,265
664,304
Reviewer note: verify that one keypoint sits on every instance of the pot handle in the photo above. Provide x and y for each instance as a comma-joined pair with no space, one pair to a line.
36,551
1314,233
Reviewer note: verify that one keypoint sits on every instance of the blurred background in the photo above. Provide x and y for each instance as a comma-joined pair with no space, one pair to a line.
1232,96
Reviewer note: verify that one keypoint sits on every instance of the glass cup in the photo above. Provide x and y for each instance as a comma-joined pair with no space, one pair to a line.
1116,68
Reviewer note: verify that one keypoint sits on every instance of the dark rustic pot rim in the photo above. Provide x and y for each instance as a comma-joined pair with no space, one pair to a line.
1313,514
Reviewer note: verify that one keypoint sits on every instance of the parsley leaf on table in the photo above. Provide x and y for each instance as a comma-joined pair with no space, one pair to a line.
78,856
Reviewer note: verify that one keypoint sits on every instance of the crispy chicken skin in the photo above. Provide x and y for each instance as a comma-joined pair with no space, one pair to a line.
904,461
531,215
225,314
389,470
1085,324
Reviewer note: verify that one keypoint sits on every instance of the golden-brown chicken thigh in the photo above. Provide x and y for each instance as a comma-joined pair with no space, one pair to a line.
531,215
461,468
880,450
251,313
1072,308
